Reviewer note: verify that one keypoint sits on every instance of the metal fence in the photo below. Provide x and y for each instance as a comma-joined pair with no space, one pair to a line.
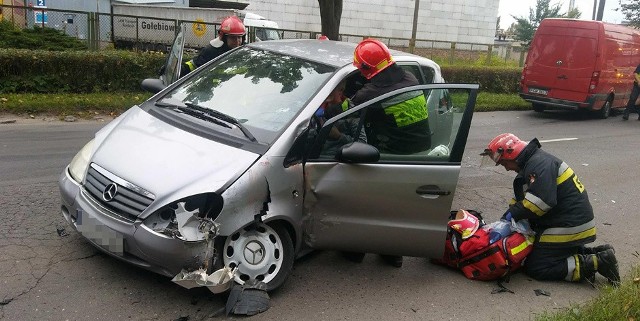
104,30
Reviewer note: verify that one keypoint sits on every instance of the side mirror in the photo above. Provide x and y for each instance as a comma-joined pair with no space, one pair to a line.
358,152
153,85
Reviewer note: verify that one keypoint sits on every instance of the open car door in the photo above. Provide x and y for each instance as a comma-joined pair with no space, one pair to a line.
174,59
358,199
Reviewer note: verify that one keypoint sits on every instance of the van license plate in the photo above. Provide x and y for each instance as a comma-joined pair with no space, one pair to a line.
538,91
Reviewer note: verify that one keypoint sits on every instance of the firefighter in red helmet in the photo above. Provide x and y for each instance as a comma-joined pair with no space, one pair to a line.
549,194
398,125
230,35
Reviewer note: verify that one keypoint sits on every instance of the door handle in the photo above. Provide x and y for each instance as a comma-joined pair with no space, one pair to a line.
431,190
562,77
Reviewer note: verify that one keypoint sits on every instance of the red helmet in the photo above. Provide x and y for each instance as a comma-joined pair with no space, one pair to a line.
371,57
232,26
465,223
505,146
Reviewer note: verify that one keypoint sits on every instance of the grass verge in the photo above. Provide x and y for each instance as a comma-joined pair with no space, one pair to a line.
80,105
87,105
621,303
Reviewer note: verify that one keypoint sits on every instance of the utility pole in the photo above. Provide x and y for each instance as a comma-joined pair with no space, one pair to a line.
600,10
593,13
412,41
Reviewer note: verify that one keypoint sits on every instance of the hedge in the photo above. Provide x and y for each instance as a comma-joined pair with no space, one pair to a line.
39,71
499,80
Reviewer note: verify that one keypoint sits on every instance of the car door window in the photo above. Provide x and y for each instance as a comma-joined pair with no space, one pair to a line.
446,105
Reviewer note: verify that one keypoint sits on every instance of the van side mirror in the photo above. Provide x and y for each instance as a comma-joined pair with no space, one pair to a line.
153,85
358,152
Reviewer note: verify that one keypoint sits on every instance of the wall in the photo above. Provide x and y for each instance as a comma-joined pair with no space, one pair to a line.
446,20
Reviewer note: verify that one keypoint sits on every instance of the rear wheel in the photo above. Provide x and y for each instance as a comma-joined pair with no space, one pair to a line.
538,108
260,253
605,111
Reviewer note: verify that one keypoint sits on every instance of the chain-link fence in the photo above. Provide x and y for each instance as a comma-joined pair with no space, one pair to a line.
103,30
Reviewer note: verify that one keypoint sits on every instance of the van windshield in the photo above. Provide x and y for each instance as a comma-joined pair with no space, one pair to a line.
267,34
262,90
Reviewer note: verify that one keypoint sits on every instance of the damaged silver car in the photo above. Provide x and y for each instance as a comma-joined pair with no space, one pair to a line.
227,170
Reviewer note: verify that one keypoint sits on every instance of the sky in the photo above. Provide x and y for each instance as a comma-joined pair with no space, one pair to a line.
520,8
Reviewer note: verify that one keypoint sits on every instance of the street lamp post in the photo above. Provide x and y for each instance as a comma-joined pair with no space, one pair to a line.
412,41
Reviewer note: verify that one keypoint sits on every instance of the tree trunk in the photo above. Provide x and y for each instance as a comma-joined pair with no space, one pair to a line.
330,14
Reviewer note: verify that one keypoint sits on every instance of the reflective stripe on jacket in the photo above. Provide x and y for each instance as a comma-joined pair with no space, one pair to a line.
550,195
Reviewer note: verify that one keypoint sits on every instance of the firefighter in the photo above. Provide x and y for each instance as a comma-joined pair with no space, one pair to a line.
398,125
230,35
549,194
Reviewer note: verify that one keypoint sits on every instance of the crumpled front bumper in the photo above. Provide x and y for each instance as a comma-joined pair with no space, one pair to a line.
128,241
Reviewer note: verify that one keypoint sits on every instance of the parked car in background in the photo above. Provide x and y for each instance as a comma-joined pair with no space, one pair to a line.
224,167
580,65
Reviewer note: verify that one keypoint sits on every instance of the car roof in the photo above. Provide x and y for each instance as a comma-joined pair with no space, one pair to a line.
334,53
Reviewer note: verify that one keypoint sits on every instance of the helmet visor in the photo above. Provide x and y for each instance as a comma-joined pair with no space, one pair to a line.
490,158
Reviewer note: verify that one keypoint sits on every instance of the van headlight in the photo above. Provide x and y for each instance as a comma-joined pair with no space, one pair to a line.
80,162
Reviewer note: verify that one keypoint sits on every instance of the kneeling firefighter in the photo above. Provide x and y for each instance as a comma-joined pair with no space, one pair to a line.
549,194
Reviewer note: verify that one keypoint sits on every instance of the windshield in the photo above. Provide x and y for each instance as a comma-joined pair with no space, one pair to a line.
262,90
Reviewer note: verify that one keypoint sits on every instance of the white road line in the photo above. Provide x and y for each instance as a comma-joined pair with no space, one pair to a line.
558,140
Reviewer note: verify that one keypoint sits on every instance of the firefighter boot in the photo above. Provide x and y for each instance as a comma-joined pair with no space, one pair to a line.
596,249
604,262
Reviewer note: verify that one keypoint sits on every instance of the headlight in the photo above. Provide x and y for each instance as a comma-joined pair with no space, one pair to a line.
188,218
80,162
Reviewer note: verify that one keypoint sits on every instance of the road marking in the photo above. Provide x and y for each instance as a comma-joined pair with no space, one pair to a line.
558,140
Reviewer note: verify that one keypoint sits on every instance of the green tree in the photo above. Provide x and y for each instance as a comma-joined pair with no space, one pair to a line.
574,13
631,11
330,15
526,27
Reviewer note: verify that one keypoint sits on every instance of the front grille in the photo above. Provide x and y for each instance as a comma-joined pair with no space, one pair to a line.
129,201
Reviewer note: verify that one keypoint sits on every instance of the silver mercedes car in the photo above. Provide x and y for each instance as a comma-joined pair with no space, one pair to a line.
230,167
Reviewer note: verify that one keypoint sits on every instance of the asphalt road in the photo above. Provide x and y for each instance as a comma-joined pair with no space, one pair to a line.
47,272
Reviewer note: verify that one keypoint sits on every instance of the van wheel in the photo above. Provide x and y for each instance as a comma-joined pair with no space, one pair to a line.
605,111
538,108
260,253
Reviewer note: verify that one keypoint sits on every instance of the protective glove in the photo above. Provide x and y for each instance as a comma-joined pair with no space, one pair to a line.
507,215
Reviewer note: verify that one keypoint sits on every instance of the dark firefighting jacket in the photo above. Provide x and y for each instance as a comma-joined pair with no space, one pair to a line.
550,195
400,124
215,48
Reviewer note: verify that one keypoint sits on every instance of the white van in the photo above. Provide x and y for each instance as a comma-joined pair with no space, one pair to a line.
261,27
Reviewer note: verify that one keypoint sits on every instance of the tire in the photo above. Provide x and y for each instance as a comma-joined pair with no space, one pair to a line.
538,108
260,253
605,111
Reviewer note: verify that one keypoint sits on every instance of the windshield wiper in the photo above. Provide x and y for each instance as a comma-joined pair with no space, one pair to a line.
224,117
192,112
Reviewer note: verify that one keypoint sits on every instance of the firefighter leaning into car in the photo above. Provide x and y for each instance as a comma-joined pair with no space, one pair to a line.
231,35
399,125
549,194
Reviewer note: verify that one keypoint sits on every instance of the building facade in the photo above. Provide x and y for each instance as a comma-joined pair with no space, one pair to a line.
472,21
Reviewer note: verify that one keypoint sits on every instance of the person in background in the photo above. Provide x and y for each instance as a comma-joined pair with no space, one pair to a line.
635,92
549,194
231,35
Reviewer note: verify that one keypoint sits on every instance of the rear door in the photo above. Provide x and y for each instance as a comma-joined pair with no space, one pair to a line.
561,60
398,204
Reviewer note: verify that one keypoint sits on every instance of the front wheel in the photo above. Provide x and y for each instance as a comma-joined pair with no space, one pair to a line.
260,253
